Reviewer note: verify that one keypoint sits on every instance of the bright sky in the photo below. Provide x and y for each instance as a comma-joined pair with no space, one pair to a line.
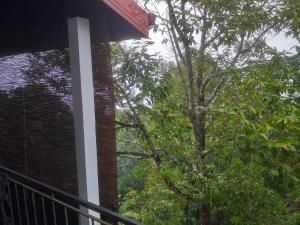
280,42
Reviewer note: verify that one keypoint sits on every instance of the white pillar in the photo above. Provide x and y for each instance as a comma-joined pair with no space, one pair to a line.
84,109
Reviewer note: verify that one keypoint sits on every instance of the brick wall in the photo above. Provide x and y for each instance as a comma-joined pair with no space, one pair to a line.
105,120
37,137
52,158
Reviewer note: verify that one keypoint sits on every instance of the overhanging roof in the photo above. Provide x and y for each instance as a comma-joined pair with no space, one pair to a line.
132,13
30,25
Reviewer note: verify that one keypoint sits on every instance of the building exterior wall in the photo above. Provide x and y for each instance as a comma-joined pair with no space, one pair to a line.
105,123
37,137
40,142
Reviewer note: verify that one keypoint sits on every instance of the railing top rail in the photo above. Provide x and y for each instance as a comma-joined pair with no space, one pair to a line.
66,196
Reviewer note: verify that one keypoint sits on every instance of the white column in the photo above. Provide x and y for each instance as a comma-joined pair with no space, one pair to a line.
84,109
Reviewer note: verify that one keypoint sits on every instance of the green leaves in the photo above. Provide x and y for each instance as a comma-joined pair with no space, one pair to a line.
265,127
139,73
251,170
246,171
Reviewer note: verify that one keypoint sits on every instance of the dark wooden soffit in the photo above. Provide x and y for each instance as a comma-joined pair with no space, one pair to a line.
36,25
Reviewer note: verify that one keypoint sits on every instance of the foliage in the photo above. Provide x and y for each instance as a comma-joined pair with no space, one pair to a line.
222,104
161,205
251,168
127,163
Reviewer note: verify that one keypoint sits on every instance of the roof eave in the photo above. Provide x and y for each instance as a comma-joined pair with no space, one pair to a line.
133,14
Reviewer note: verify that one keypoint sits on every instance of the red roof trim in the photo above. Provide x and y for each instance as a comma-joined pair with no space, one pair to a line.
132,12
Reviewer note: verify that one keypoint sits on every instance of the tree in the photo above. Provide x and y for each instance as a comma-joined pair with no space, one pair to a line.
210,41
261,126
237,170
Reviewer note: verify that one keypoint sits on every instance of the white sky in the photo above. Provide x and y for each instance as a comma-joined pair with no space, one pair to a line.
280,42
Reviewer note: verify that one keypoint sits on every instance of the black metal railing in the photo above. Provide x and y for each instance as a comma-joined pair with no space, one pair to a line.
25,201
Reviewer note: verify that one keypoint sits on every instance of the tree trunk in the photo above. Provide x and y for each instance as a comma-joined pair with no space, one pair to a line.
199,131
201,135
205,215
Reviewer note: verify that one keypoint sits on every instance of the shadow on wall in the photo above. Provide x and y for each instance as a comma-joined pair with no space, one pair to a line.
37,136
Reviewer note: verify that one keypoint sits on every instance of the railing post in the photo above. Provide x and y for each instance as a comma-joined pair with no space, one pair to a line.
2,213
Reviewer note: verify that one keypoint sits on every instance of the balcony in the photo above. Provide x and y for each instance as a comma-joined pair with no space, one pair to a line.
25,201
81,27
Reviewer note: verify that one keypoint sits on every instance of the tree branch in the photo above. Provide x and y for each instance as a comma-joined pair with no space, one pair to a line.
126,125
181,76
135,154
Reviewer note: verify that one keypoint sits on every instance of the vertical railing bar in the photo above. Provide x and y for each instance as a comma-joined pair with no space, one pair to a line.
25,204
66,216
3,199
53,209
18,204
10,202
44,210
34,208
